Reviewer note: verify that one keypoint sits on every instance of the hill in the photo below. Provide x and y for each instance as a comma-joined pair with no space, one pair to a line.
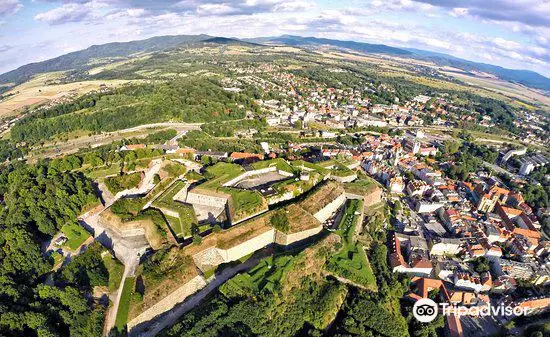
80,59
291,40
525,77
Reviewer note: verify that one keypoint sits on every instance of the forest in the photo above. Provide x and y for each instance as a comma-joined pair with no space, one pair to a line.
37,203
182,100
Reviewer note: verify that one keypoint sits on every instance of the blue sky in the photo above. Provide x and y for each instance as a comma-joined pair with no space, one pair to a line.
510,33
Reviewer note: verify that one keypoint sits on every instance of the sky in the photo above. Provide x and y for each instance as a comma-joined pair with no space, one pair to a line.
510,33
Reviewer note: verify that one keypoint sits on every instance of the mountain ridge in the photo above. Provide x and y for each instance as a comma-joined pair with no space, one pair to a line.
80,59
526,77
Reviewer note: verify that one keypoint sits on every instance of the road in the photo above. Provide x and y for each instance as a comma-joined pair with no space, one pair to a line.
499,169
146,183
72,145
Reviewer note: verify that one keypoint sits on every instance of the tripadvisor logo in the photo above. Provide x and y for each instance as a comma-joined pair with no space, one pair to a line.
425,310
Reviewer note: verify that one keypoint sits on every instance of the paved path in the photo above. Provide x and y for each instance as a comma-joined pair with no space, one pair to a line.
146,183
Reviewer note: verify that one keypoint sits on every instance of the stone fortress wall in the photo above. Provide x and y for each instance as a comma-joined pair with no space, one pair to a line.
326,212
252,173
213,256
167,303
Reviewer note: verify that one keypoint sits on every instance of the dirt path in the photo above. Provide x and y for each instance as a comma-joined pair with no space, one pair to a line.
110,320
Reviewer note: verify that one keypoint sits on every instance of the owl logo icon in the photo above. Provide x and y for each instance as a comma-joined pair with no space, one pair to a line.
425,310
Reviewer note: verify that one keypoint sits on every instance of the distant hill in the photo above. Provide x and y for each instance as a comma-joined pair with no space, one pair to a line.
525,77
291,40
229,41
79,59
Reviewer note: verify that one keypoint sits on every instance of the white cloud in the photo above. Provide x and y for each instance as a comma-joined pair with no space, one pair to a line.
9,7
457,12
67,13
215,9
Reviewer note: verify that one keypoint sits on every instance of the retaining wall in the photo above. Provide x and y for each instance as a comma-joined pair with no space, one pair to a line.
326,212
167,303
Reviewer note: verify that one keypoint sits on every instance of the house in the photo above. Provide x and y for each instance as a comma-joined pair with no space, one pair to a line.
212,154
416,187
246,157
487,199
396,185
423,206
445,246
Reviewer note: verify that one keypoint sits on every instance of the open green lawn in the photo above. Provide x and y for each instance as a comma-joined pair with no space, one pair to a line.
116,269
351,261
361,186
103,171
245,202
301,164
182,226
280,163
57,258
124,304
265,275
175,225
76,235
221,173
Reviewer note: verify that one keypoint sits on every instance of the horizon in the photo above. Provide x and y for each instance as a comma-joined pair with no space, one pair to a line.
502,33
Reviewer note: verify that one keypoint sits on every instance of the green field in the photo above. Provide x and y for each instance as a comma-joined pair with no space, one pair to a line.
182,226
221,173
301,164
279,163
124,304
57,258
361,186
116,269
76,235
264,276
245,202
351,261
103,171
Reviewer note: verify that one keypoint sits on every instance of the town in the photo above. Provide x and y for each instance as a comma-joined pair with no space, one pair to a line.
318,180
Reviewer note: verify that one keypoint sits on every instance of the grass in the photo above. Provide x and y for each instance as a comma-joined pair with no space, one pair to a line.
57,258
193,176
221,173
123,182
103,171
361,186
175,225
279,163
186,213
351,261
245,202
124,304
301,164
266,275
116,269
76,235
338,167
